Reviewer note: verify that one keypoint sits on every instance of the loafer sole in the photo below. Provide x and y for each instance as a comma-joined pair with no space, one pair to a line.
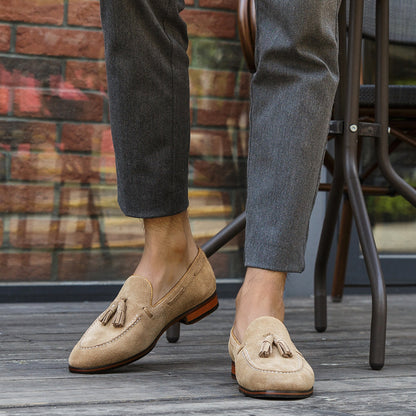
270,394
189,317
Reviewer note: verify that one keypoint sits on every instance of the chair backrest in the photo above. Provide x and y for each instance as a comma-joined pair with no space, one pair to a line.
402,21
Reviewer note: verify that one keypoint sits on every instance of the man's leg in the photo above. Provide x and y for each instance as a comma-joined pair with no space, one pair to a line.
292,94
147,68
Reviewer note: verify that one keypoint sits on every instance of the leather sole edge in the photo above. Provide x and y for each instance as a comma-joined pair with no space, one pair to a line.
271,394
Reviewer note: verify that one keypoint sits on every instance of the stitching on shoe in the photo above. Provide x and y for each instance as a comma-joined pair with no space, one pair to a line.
252,365
233,339
184,281
175,297
112,340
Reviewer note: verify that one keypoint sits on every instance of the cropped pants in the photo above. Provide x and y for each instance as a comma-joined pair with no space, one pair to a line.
292,94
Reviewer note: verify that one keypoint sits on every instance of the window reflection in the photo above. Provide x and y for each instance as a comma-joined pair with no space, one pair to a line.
59,217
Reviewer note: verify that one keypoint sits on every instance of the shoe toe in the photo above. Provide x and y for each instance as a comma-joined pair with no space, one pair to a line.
103,347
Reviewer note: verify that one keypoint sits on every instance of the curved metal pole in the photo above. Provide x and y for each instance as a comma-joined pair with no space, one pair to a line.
225,235
350,140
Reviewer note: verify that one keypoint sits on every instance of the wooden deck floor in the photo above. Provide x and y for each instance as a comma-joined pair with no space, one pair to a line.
192,377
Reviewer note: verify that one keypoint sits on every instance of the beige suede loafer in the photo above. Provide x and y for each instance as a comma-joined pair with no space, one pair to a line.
130,327
267,364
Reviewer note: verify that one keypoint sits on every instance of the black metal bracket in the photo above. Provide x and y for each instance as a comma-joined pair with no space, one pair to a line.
363,129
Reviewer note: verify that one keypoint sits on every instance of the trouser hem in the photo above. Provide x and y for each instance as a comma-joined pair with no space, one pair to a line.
156,213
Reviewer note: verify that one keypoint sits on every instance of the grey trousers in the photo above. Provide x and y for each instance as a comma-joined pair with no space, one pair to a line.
292,93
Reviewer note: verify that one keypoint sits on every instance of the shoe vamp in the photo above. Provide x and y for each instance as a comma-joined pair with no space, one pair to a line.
98,334
274,363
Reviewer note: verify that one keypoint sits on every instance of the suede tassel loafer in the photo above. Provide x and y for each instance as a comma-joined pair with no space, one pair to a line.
267,364
130,327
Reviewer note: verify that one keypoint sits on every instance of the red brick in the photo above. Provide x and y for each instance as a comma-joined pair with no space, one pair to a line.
4,100
60,42
28,71
1,235
222,113
84,169
211,142
212,83
54,167
218,174
94,200
222,264
17,135
18,198
189,51
2,167
189,2
5,34
108,169
33,11
84,13
244,87
65,103
210,23
204,203
219,4
107,141
203,229
86,138
242,143
44,232
33,266
97,265
123,232
87,75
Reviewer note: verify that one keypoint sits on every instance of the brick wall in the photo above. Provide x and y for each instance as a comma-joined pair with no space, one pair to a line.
59,219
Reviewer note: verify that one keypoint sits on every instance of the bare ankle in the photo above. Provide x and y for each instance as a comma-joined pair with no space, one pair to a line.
168,252
169,235
260,295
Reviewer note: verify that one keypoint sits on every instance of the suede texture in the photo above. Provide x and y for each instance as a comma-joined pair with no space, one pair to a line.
105,345
274,373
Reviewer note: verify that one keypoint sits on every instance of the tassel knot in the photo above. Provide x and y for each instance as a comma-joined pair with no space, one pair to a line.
120,315
116,309
267,347
108,314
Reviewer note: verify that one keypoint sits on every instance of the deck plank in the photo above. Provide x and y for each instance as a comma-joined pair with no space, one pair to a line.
193,376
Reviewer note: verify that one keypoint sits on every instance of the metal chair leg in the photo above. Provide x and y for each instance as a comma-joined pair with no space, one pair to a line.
173,332
328,230
350,138
344,239
335,195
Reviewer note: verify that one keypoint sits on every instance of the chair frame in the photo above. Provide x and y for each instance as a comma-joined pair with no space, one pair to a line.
348,127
